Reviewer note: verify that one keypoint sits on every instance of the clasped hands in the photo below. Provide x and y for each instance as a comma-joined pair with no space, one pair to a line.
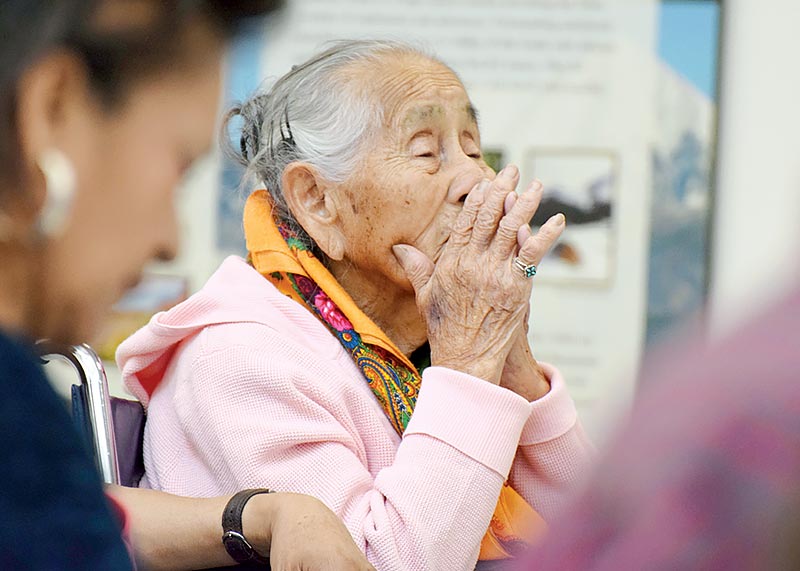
474,300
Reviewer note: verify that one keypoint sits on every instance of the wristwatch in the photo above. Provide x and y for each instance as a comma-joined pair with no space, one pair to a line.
233,538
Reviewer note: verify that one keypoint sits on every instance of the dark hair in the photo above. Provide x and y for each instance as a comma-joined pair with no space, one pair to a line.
115,56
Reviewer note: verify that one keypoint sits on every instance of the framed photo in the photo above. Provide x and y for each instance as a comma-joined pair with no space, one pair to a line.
581,184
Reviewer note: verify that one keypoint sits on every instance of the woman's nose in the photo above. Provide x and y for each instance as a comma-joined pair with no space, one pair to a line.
165,255
468,174
167,248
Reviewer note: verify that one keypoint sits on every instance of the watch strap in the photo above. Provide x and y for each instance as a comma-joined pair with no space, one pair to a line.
233,538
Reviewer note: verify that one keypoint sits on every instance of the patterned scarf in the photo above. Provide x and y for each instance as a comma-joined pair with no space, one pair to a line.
278,255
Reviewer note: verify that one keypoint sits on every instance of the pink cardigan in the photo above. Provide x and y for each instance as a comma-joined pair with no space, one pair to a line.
253,391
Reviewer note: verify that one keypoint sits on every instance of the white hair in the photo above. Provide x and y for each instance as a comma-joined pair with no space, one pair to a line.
314,114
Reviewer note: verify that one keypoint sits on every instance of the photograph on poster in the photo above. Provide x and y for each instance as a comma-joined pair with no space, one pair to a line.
581,185
495,158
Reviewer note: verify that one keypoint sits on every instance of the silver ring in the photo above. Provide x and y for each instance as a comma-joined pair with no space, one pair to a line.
528,270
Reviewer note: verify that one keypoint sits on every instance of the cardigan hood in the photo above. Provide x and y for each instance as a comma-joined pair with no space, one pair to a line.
235,293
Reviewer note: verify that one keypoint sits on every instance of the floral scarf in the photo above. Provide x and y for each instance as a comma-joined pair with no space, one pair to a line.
278,255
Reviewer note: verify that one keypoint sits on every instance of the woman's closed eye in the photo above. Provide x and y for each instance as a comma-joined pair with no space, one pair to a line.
424,146
471,148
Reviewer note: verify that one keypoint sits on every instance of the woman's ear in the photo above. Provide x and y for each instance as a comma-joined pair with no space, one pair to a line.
52,103
47,95
310,199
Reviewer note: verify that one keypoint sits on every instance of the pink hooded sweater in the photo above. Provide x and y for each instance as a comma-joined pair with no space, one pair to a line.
249,389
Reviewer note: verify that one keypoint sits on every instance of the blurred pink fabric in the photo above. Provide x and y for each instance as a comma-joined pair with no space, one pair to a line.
253,391
706,475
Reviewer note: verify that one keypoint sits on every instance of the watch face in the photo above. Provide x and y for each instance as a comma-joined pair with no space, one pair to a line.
237,547
233,539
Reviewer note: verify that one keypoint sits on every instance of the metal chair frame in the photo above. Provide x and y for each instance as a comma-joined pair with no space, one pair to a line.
93,377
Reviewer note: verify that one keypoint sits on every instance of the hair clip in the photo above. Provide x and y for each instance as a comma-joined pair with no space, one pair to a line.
287,137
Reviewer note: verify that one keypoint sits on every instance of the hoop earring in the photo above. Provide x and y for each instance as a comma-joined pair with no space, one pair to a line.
61,183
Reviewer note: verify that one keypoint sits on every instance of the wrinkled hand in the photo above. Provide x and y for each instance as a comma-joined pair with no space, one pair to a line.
522,374
304,535
473,299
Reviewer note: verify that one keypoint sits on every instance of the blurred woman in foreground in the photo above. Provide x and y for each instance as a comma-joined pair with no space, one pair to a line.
104,107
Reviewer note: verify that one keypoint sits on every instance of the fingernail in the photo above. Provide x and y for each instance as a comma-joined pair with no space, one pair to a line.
510,201
509,172
400,251
534,186
560,219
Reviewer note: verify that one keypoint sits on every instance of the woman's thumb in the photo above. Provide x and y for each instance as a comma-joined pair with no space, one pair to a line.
418,266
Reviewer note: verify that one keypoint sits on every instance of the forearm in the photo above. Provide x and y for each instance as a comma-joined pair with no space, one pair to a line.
173,532
548,474
554,451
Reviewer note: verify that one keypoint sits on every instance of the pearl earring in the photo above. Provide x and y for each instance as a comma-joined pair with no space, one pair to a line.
61,183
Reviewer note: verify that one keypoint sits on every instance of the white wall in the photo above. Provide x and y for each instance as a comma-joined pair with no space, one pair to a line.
756,242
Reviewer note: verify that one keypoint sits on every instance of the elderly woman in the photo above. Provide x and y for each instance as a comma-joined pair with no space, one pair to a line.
96,129
373,352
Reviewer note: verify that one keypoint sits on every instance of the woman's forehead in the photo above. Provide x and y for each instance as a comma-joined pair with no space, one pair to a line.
415,88
418,112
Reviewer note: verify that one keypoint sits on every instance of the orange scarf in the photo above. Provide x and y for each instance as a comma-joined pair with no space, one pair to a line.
279,256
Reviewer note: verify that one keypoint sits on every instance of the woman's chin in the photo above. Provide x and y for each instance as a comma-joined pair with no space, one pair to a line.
80,323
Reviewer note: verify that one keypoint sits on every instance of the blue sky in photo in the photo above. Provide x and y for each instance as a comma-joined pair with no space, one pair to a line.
689,39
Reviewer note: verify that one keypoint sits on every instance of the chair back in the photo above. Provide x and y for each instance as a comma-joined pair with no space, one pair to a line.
128,416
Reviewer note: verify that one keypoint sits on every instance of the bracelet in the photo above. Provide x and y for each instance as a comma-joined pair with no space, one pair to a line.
233,538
